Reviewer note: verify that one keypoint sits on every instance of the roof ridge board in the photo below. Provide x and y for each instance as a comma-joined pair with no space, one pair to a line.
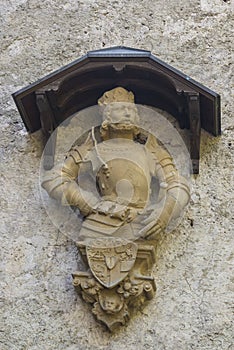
119,51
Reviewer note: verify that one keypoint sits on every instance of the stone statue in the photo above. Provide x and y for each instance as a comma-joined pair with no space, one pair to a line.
120,220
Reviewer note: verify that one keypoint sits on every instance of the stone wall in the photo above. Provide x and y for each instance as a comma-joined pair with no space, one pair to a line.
40,309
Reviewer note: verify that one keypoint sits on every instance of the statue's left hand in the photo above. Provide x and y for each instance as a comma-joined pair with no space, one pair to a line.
155,222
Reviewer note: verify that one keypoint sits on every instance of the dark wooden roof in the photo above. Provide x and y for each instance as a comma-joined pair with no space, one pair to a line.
51,100
153,81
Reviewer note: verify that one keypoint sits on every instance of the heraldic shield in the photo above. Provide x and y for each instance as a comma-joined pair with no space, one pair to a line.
110,259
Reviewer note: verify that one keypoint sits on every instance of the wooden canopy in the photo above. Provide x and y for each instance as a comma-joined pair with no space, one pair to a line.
49,101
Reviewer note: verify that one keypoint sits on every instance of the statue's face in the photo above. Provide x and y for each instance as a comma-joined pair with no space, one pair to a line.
121,113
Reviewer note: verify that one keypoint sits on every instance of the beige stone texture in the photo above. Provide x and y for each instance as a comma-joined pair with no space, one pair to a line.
193,306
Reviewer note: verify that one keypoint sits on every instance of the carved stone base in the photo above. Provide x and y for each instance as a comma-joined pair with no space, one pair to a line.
118,279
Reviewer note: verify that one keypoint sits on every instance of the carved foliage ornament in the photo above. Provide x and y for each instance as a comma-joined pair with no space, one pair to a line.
122,213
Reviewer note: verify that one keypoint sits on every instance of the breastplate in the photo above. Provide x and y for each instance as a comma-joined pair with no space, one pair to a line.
122,172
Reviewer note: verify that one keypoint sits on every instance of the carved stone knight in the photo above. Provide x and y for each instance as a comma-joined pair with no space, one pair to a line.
126,163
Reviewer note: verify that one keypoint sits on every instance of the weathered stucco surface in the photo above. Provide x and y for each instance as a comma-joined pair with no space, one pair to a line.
193,305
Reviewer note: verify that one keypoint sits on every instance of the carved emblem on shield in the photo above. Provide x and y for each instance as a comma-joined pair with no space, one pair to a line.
110,259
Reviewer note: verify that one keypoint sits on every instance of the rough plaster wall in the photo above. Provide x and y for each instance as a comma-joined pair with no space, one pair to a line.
193,305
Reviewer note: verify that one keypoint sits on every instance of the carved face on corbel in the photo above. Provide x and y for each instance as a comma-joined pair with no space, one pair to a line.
110,301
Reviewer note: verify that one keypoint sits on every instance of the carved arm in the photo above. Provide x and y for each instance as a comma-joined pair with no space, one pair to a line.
61,183
176,191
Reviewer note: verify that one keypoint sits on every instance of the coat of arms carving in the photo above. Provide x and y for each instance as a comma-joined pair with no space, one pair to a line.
110,260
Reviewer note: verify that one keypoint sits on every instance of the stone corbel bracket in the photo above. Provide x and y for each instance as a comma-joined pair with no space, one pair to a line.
49,101
118,279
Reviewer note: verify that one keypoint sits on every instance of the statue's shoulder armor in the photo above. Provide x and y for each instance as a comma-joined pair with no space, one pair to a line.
74,154
79,151
160,154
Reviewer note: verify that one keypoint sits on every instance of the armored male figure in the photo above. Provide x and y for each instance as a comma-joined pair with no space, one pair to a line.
127,190
123,159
